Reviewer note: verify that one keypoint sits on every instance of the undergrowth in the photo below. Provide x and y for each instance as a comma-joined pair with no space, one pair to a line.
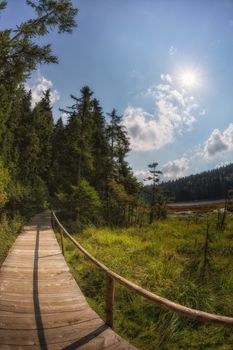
9,229
166,258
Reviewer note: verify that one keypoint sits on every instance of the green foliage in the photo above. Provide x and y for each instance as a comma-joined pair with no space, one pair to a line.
9,228
2,5
78,135
158,198
19,49
119,145
4,180
117,203
39,193
81,205
42,121
99,148
86,202
5,107
89,148
26,133
27,198
160,205
18,193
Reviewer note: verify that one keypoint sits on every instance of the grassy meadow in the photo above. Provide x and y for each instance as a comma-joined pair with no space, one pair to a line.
172,258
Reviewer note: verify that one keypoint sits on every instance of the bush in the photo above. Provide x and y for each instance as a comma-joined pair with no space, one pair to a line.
39,194
4,179
9,229
81,205
27,199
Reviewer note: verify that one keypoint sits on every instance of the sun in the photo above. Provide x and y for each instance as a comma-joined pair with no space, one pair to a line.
189,78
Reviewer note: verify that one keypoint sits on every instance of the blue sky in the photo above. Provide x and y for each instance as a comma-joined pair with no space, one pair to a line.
165,65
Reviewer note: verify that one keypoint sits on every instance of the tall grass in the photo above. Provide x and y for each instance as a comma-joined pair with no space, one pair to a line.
166,258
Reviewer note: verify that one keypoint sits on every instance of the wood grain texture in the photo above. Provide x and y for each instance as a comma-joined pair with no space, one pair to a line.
41,306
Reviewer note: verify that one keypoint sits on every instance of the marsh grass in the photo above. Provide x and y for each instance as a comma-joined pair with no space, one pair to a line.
166,258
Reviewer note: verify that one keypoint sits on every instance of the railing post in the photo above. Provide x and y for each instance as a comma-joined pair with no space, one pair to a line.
109,301
62,242
52,220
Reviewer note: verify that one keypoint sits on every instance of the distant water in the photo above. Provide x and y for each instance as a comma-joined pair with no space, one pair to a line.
202,202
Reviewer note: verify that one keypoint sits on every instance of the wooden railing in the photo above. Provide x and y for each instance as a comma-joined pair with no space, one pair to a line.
111,277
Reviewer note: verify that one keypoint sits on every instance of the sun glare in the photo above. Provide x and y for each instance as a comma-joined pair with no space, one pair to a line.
189,79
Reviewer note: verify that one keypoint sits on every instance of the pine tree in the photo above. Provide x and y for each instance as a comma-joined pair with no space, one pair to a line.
5,110
99,147
78,134
156,198
19,49
58,174
43,126
4,180
119,145
27,142
25,136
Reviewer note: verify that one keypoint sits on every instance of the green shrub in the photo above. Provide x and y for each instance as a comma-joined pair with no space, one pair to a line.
4,180
81,206
9,229
39,193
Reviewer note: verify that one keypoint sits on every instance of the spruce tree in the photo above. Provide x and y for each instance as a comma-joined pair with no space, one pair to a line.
25,136
78,134
99,147
58,174
20,52
119,144
42,120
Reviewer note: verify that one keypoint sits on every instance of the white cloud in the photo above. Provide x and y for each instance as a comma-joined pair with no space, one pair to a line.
166,77
141,175
171,170
175,112
176,168
144,132
39,86
64,117
172,50
219,142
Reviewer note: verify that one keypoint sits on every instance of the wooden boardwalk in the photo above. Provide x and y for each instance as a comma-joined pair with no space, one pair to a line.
41,306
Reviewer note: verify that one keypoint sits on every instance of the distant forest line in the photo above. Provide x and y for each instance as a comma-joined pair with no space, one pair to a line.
208,185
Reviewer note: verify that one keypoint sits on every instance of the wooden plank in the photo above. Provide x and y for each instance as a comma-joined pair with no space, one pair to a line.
23,308
43,297
19,347
9,320
44,302
53,335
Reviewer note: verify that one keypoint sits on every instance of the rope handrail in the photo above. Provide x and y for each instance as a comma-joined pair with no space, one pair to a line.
111,276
